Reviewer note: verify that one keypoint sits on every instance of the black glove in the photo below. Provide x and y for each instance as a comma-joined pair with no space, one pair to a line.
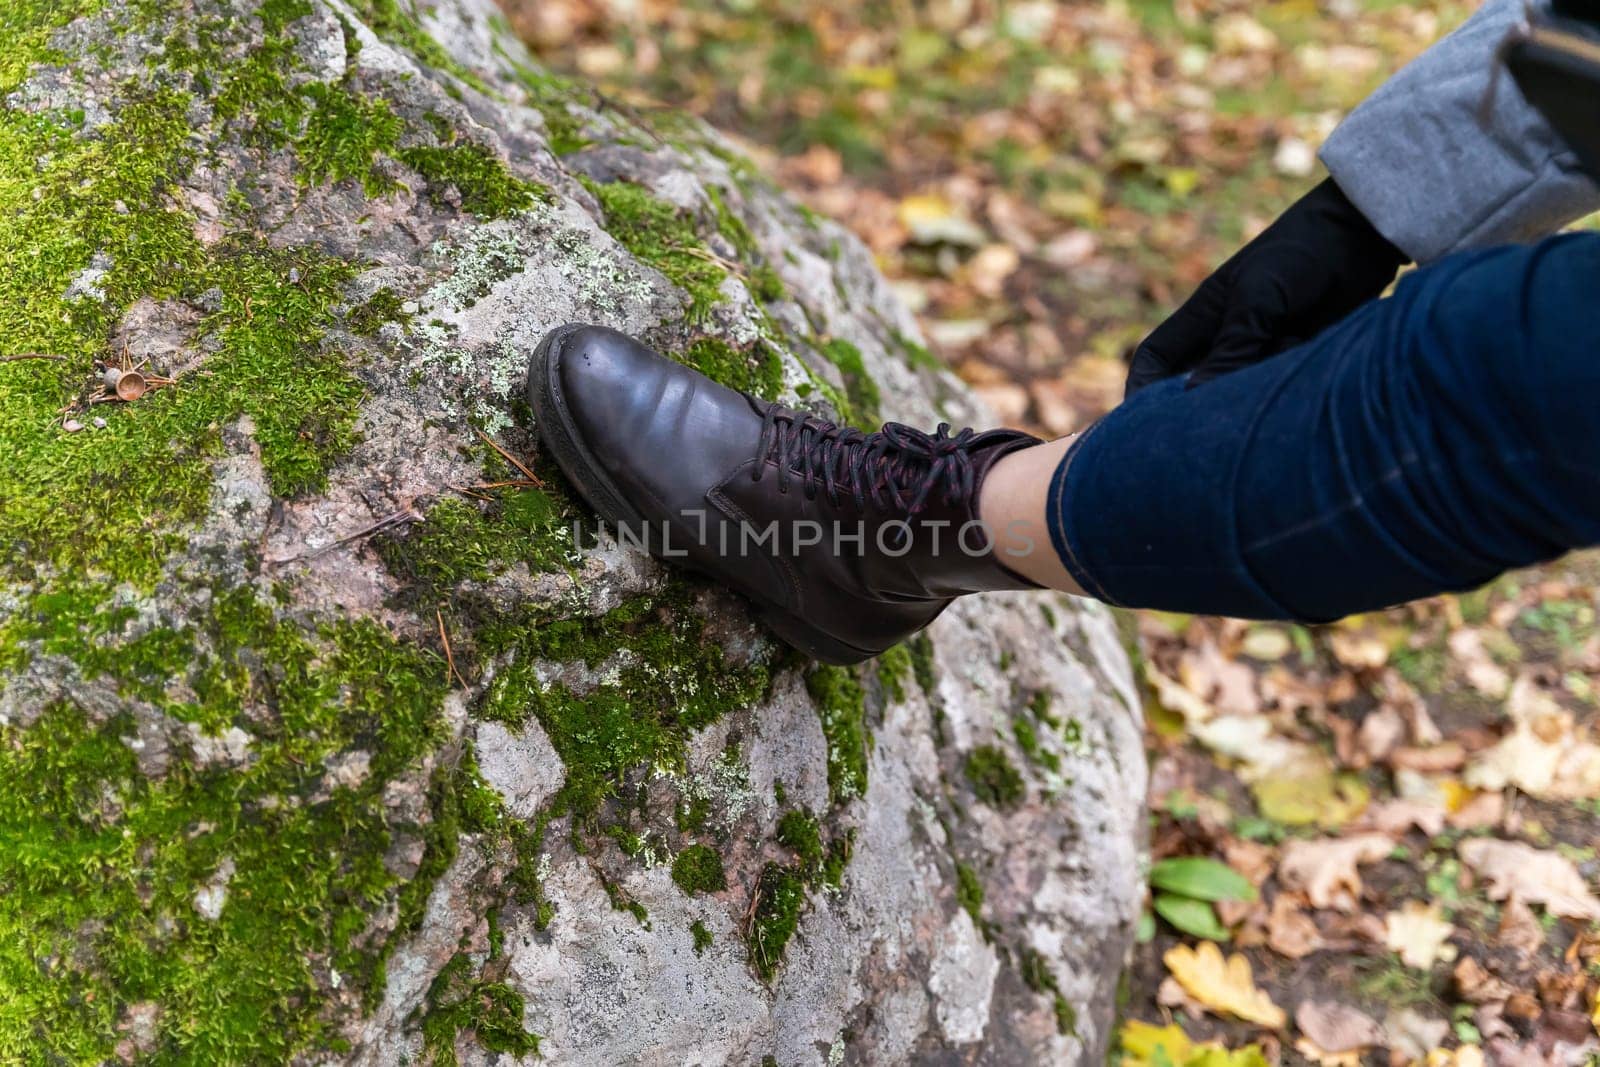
1318,262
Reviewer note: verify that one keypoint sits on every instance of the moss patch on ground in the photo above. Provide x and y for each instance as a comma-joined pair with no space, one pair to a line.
493,1011
102,863
757,370
698,869
662,682
662,236
780,900
860,390
994,779
842,706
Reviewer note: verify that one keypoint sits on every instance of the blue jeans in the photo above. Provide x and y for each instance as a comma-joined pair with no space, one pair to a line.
1425,444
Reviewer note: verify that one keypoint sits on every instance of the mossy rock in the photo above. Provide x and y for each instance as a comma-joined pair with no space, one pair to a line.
332,731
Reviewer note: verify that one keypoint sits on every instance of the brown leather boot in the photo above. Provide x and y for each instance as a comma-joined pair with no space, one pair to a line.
848,542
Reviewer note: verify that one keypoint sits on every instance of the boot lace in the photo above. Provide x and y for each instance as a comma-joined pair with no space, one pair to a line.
898,466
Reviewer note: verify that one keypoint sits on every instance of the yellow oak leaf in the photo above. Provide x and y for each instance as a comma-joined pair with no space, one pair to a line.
1224,985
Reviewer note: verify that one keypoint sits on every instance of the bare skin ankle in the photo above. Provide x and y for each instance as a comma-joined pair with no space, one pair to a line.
1012,503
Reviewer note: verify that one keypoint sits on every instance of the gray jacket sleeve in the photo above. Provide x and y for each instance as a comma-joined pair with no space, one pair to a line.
1416,160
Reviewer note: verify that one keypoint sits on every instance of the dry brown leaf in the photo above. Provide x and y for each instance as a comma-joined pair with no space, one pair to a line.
1419,933
1544,755
1479,812
1358,650
1399,816
1519,927
1326,868
1226,685
1477,985
1535,875
1290,931
1434,759
1481,672
1225,986
1413,1034
1336,1027
1320,1056
1381,733
1465,1056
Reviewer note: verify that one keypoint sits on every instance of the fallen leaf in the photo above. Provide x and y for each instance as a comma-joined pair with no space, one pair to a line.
1307,791
1482,672
1290,931
1336,1027
1197,918
1224,986
1146,1045
1535,875
1412,1034
1476,985
1399,816
1465,1056
1519,927
1266,643
1325,869
1226,685
1358,650
1320,1056
1544,755
1419,932
1202,878
1176,698
1236,33
1381,733
1251,740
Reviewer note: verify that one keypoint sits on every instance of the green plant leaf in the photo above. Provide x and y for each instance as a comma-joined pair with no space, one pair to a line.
1201,878
1191,916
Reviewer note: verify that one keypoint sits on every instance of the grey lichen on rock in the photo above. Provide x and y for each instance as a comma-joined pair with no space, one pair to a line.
327,736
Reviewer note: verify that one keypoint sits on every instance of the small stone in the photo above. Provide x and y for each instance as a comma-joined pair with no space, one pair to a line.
72,426
99,423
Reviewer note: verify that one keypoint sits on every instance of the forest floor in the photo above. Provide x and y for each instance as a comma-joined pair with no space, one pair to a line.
1388,823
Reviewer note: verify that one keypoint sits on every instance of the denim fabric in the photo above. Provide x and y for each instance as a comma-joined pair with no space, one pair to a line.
1424,444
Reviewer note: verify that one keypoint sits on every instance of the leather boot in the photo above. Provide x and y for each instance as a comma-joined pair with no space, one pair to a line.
848,542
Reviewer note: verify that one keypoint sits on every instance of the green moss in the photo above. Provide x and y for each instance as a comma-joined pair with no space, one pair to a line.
917,355
838,858
702,937
1039,706
1028,741
492,1011
757,370
969,892
396,22
860,389
101,862
667,683
551,95
798,831
780,898
1066,1016
921,649
485,186
464,539
842,706
698,869
1039,978
657,233
895,669
344,136
993,778
382,307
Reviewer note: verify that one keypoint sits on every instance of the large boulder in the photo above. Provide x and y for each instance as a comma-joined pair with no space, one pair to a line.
330,728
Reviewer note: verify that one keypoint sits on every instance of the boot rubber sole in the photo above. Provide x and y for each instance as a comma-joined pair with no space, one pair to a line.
589,478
